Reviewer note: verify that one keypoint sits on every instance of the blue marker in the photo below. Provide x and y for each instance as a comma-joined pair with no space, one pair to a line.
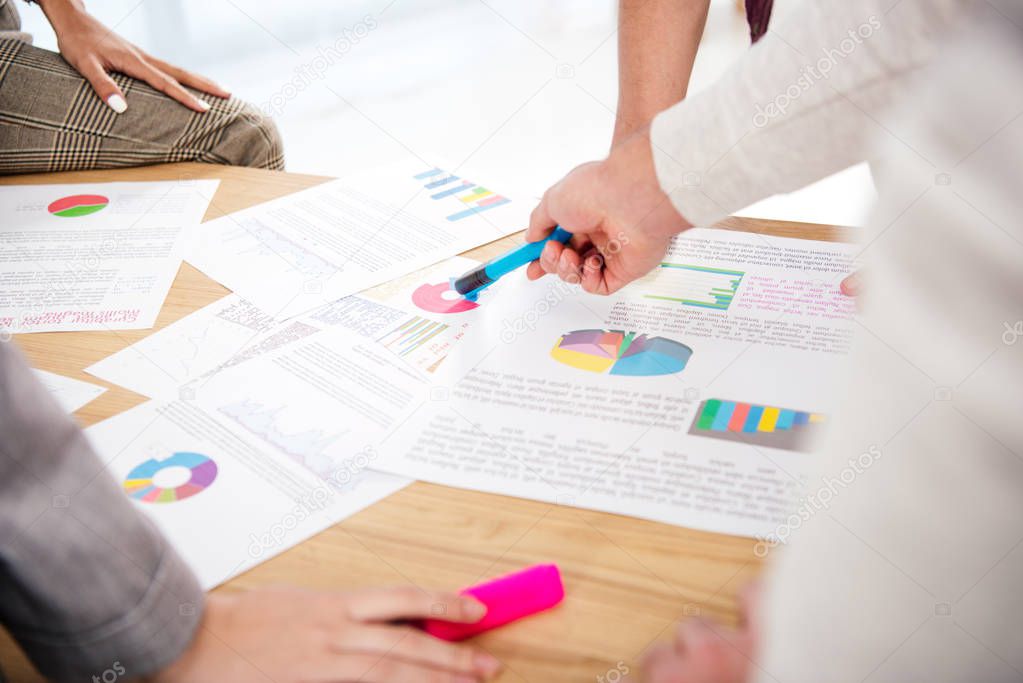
476,280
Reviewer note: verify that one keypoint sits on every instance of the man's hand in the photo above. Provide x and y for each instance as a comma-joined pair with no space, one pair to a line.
621,220
94,50
705,652
292,636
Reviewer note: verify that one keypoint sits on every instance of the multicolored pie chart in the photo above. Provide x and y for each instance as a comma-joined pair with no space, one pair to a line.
621,353
141,483
77,205
440,298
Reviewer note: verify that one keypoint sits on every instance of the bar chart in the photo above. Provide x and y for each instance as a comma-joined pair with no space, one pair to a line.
759,425
411,335
691,285
474,199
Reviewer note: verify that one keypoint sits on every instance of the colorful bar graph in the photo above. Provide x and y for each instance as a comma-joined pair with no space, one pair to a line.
691,285
477,197
442,181
411,335
758,425
452,190
478,209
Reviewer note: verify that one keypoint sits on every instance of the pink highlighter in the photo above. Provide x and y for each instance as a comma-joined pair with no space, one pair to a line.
507,598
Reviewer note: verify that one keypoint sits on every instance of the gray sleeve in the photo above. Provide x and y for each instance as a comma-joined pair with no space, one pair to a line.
800,105
87,584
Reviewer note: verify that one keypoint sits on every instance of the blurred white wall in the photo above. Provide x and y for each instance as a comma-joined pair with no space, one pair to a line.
521,90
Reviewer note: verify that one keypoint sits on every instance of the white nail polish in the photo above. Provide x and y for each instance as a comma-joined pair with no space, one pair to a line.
205,106
117,103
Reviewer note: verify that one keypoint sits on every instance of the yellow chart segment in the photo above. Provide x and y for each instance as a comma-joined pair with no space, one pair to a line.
136,484
769,419
583,361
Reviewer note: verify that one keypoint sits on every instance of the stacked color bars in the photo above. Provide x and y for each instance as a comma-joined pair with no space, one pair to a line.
756,424
449,185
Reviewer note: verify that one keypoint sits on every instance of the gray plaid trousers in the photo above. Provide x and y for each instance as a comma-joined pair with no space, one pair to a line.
51,120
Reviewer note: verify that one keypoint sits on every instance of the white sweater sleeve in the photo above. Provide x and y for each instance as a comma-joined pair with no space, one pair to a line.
801,104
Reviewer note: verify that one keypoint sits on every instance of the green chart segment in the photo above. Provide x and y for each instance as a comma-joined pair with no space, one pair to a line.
689,285
76,205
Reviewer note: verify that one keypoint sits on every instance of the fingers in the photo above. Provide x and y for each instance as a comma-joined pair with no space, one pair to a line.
594,275
570,266
852,285
138,67
188,78
710,651
551,256
104,86
664,665
749,604
418,647
534,271
370,668
583,266
408,602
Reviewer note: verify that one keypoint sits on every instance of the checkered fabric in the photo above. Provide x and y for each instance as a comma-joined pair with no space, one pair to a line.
52,120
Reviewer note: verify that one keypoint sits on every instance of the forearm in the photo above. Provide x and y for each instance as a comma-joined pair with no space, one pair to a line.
657,44
57,11
85,579
802,104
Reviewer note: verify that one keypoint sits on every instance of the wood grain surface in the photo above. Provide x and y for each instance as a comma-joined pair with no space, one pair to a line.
628,581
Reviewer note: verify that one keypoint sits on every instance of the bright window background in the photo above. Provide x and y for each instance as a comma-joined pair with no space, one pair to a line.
522,90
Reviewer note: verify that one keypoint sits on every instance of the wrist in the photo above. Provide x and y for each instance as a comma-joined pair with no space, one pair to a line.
59,11
629,170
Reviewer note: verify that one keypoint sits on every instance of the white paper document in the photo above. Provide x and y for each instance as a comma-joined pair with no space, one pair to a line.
692,397
297,253
224,498
70,393
98,256
415,319
318,401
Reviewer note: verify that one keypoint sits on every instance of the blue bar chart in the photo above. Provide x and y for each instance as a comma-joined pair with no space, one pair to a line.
474,199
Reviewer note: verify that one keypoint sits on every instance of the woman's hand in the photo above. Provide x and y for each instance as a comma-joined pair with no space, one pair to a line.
94,50
290,636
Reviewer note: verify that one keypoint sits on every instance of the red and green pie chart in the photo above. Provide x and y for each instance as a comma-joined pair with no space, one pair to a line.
76,205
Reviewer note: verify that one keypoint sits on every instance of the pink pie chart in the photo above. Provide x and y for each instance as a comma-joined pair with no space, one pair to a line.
440,298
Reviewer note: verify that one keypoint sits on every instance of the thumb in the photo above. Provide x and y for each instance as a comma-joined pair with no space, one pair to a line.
540,222
575,203
104,86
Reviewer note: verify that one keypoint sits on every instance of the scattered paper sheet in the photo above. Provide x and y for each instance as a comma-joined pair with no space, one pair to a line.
98,256
691,397
70,393
172,362
227,501
292,255
319,400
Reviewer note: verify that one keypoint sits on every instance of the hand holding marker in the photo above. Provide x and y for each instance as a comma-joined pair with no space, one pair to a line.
476,280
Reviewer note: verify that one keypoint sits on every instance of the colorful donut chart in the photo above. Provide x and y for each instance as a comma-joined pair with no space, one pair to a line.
140,485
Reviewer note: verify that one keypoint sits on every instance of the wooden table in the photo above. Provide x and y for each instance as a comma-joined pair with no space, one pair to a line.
628,581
